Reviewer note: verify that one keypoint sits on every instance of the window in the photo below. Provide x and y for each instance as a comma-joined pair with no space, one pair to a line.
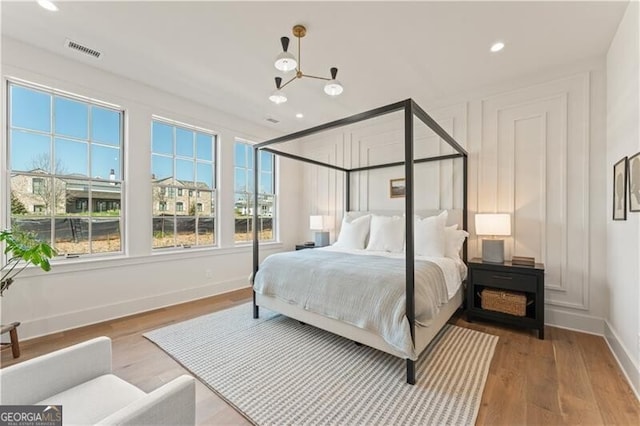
244,177
37,186
65,159
81,205
183,164
199,205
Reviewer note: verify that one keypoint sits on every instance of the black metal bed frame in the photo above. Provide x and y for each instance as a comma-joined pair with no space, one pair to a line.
410,109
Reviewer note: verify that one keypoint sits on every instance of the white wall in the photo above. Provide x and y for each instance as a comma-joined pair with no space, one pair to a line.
536,150
623,237
78,292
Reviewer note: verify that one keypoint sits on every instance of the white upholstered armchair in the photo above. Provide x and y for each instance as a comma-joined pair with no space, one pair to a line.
79,378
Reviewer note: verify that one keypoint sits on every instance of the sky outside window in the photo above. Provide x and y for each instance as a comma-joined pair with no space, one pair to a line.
32,132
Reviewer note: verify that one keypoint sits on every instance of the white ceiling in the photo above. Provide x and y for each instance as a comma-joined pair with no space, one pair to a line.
221,54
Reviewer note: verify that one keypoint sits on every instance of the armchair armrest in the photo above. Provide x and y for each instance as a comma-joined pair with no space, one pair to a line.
171,404
36,379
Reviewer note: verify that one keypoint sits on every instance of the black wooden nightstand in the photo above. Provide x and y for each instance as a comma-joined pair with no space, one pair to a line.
505,276
304,246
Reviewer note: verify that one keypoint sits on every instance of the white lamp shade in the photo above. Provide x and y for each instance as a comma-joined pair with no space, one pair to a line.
285,62
333,88
493,224
316,223
278,97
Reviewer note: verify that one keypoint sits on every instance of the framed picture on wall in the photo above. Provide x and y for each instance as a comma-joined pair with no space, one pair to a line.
620,190
396,188
633,170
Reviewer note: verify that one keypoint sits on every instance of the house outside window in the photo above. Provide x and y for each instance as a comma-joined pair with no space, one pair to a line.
64,148
244,193
183,162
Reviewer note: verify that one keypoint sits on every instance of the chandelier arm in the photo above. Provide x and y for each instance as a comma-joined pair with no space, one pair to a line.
316,77
283,85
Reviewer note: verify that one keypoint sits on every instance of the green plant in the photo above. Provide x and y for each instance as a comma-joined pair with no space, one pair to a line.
22,249
17,206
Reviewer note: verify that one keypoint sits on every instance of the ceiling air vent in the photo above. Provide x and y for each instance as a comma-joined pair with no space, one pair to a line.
272,120
82,49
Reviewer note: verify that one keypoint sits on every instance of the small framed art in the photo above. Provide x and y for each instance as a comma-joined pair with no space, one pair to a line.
396,188
620,190
633,170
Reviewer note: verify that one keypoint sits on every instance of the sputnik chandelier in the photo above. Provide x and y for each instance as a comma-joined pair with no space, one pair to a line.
286,62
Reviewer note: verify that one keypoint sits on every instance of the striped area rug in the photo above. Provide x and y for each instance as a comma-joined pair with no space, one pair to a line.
276,371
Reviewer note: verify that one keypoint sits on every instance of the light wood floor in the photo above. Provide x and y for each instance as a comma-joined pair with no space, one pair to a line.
569,378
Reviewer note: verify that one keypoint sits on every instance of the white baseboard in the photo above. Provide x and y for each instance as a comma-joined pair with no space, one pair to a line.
69,320
629,368
574,321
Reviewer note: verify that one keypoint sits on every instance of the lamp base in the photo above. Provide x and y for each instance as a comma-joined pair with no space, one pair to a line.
493,251
322,239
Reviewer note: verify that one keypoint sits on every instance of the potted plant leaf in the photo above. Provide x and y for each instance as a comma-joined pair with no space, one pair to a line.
22,249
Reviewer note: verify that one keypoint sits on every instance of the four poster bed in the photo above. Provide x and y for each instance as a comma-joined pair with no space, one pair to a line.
394,302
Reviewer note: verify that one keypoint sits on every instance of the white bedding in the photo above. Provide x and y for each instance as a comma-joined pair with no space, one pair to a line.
360,289
454,270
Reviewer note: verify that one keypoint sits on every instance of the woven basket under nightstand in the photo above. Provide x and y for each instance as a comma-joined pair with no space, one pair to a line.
507,302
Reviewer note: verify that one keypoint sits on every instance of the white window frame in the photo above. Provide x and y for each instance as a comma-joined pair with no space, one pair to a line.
276,216
191,191
53,92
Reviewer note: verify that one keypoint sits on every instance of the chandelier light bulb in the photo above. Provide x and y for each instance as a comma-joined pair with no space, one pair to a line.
333,88
286,62
278,97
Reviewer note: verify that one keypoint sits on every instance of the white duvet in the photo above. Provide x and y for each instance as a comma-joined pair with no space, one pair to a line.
454,270
362,288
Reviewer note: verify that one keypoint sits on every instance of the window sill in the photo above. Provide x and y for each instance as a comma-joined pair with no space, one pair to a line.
64,266
250,244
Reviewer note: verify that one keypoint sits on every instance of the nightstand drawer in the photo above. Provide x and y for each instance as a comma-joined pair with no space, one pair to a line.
510,280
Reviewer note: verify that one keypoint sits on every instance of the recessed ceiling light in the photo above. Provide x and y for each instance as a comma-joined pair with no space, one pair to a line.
299,115
497,46
48,4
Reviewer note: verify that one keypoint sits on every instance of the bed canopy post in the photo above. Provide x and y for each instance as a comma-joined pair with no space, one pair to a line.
347,191
465,219
256,241
409,258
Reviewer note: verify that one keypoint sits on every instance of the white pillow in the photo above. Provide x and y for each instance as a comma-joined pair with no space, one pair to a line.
353,232
429,235
454,240
387,233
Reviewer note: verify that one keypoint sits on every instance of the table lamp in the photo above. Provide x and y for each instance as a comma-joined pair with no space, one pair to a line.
493,224
317,223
